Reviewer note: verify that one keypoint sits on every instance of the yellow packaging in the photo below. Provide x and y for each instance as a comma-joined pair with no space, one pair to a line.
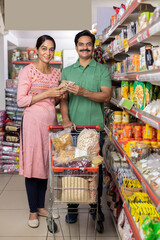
125,117
124,89
119,67
130,145
147,132
117,117
158,134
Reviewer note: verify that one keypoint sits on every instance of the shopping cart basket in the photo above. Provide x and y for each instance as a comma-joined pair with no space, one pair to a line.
70,185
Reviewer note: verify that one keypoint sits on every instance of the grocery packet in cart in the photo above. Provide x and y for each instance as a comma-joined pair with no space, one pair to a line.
61,140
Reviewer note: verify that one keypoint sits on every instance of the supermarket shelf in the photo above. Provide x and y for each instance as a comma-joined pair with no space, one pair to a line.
145,76
130,10
150,33
138,113
125,206
147,188
27,62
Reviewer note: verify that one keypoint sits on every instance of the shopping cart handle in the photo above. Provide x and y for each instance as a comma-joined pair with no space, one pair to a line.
50,127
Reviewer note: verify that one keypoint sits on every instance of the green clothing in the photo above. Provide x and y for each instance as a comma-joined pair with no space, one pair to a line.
83,111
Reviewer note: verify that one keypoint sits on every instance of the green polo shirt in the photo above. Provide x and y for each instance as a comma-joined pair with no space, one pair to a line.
83,111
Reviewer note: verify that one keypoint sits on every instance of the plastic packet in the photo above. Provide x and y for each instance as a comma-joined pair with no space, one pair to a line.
62,139
97,160
66,155
124,89
88,140
139,94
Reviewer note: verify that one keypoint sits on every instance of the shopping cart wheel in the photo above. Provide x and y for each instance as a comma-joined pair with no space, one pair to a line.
52,226
99,227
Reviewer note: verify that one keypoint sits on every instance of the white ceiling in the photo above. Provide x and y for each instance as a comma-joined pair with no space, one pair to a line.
35,34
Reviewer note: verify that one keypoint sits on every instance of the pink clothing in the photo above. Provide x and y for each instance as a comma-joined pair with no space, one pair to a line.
34,150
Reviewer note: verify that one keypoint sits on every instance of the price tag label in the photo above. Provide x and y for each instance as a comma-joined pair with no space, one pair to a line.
125,44
126,103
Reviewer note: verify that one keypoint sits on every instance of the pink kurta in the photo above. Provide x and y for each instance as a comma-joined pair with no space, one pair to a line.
34,149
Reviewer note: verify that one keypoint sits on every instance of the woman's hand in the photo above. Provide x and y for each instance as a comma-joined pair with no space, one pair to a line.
56,92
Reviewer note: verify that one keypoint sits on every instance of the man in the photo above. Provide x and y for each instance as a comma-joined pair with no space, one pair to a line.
83,104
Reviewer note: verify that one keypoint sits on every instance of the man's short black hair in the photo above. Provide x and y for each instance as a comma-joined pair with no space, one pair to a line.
84,33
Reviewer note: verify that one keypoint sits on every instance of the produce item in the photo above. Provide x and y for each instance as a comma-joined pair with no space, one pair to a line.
117,117
62,140
75,189
139,94
124,89
88,140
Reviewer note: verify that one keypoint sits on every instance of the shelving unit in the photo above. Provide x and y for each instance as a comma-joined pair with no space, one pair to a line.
130,10
146,186
125,206
27,62
145,76
145,117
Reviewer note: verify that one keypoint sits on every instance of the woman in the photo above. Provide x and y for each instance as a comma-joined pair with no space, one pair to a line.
38,91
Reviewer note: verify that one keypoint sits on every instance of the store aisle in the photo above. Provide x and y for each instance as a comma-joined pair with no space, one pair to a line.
14,214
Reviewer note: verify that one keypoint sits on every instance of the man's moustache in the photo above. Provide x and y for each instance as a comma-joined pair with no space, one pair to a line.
85,50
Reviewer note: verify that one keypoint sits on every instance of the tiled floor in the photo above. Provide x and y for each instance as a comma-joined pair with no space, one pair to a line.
14,214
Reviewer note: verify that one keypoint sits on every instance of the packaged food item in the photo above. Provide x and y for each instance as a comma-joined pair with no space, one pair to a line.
117,116
124,89
139,94
156,57
88,140
128,131
140,151
32,53
62,140
66,155
143,20
97,160
147,132
137,132
131,88
146,58
148,93
125,117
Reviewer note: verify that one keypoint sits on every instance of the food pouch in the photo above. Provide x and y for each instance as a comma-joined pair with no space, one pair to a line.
62,139
148,93
139,94
124,89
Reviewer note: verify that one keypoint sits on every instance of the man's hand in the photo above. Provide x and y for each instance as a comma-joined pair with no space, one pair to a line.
75,89
69,124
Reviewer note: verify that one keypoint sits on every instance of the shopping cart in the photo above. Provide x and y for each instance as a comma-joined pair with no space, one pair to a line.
71,186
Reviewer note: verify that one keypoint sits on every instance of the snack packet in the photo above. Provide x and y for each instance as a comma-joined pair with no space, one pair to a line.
61,140
139,94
